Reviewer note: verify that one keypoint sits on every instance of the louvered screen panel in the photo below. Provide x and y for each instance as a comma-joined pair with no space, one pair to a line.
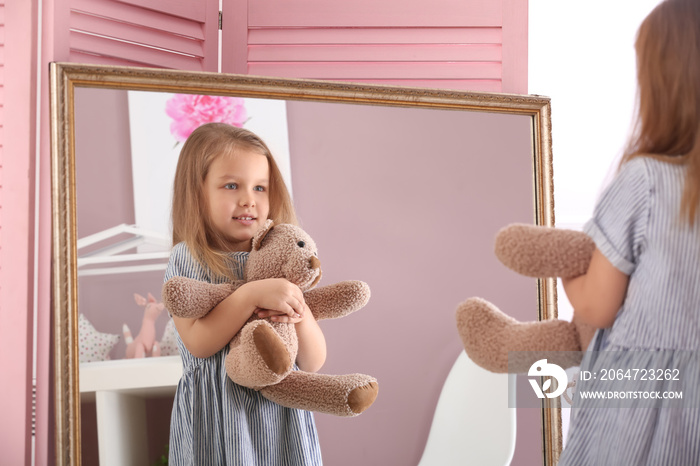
156,33
455,44
17,152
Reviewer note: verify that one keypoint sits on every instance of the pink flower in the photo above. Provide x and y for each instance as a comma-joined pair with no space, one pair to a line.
189,111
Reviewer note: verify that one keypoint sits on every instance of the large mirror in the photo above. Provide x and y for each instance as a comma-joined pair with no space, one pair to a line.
402,188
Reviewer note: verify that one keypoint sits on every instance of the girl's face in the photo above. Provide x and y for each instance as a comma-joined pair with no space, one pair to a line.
236,189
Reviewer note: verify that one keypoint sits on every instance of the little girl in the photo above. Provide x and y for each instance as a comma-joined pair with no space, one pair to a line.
226,186
642,287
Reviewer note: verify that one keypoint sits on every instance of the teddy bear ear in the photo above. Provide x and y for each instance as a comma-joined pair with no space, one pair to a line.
140,300
261,234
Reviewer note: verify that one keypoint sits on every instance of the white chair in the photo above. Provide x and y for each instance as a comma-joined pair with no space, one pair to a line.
473,423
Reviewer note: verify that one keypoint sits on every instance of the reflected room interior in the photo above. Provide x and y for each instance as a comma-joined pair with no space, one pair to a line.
403,197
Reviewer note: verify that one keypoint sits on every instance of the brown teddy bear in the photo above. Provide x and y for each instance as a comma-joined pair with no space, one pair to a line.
262,353
489,335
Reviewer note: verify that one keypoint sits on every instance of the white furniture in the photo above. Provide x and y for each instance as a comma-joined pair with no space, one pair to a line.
109,246
472,423
120,389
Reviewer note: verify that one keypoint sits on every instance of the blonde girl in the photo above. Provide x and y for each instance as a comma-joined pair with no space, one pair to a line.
227,185
642,288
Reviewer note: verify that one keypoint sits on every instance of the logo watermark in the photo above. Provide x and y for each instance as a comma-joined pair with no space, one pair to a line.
606,379
553,373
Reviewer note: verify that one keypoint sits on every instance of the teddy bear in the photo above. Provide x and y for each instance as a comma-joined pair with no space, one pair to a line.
489,335
263,352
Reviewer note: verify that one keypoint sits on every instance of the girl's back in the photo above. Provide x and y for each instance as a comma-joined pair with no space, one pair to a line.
639,227
640,407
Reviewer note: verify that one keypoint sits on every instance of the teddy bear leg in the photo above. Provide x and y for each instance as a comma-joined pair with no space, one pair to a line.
258,356
499,343
340,395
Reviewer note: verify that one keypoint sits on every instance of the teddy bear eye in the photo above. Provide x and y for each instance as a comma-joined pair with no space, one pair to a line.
301,244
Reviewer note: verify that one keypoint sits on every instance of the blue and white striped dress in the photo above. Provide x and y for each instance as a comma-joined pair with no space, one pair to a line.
217,422
637,226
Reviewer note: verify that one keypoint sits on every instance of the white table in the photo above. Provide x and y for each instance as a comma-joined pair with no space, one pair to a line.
120,389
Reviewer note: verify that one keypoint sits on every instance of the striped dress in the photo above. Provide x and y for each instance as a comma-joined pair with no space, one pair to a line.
637,226
217,422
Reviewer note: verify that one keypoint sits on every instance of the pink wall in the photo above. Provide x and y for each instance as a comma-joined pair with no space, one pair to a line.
409,201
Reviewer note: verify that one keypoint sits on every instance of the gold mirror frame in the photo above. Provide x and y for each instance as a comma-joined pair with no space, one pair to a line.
65,77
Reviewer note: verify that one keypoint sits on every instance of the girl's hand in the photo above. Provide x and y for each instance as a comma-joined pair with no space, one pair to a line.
277,316
278,296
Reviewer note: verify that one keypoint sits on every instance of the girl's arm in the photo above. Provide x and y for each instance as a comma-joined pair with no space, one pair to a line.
312,343
597,295
206,336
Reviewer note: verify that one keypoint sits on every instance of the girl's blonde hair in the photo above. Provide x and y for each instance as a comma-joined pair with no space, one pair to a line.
668,101
190,215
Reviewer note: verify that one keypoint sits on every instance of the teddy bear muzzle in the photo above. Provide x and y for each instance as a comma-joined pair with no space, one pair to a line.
315,263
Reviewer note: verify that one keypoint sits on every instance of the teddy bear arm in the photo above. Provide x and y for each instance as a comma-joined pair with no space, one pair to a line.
538,251
337,300
189,298
339,395
500,343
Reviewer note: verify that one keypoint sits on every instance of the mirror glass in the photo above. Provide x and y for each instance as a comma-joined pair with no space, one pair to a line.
401,188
